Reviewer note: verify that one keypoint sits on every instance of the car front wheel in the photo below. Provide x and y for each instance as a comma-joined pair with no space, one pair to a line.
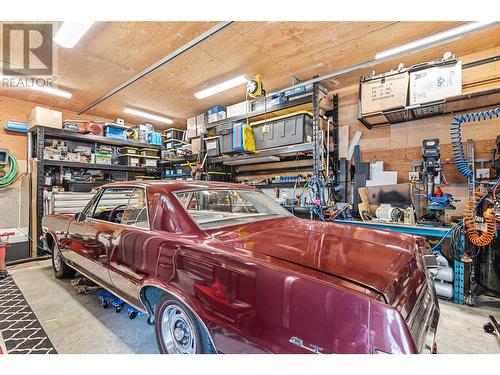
178,330
61,269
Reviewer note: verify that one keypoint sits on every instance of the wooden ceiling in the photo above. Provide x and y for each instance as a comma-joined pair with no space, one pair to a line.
112,52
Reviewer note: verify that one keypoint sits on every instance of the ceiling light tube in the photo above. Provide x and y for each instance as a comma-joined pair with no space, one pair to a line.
453,33
223,86
149,116
53,91
71,32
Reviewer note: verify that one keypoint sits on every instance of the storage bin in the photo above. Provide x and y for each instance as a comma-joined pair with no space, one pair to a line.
174,133
116,131
130,160
283,131
173,144
212,146
149,152
149,161
81,186
128,150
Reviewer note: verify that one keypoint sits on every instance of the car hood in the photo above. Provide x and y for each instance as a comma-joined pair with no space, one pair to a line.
380,260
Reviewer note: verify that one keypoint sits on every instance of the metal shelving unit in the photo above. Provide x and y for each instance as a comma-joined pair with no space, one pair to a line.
37,137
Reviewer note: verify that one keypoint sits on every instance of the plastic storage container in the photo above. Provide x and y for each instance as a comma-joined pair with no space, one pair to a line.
130,160
149,152
128,150
150,161
81,186
225,133
283,131
174,133
212,145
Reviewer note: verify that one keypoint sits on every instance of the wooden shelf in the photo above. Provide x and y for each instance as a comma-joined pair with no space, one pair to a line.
106,167
70,136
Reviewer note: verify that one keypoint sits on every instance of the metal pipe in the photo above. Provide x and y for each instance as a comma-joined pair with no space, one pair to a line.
373,62
186,47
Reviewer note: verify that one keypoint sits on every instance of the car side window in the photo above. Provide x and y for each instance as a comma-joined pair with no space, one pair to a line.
112,204
136,212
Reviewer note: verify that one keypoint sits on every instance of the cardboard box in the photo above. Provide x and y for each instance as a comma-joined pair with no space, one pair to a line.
384,93
238,109
192,130
41,116
436,83
201,123
196,145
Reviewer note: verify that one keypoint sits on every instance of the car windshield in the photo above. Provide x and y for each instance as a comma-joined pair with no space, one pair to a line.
223,207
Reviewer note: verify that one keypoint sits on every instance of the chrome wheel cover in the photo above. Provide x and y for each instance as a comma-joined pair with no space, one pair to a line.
57,258
177,331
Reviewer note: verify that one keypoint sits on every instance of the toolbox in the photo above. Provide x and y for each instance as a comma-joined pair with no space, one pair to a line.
212,145
285,130
129,159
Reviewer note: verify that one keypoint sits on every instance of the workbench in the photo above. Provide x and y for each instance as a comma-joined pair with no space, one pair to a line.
419,230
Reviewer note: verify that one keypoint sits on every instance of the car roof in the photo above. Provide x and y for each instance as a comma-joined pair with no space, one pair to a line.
181,185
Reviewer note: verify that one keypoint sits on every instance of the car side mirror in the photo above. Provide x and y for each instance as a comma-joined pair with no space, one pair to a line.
80,216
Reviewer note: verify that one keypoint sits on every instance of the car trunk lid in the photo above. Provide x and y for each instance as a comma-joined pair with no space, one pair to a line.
379,260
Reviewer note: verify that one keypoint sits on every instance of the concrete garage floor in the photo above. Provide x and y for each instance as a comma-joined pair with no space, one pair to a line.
77,323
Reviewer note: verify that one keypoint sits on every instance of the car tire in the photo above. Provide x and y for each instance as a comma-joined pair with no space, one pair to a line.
61,269
178,331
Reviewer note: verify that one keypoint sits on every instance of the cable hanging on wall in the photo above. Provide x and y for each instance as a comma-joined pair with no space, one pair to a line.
456,137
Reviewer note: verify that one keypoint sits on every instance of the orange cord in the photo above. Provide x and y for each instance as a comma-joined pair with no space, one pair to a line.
471,229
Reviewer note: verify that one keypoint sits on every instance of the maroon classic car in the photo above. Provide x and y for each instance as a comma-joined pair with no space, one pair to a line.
222,268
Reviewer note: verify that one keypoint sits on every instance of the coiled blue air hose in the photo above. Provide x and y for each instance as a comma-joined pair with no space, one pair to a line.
456,137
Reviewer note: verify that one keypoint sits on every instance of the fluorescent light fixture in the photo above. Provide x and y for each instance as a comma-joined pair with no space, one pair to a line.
455,32
71,32
150,116
223,86
53,91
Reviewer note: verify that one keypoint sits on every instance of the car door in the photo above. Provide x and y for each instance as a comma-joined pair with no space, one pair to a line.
89,242
135,254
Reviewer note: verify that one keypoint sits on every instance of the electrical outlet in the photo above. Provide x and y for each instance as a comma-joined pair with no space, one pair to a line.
482,173
413,176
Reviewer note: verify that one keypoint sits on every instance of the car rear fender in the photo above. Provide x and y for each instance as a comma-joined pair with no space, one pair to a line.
150,293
